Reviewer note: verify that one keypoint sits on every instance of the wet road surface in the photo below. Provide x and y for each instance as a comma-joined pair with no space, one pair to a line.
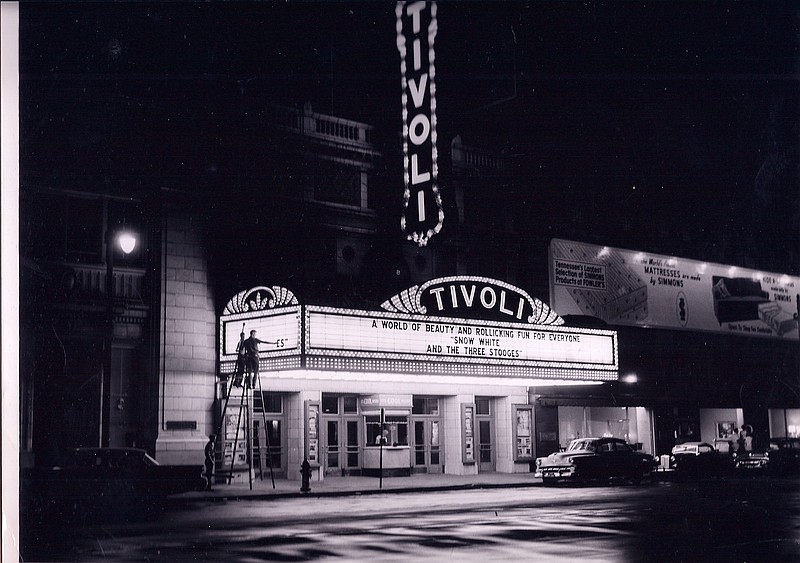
734,519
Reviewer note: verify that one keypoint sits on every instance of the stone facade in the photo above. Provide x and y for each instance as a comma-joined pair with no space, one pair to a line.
187,371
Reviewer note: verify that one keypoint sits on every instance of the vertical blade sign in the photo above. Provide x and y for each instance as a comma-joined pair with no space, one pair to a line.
422,205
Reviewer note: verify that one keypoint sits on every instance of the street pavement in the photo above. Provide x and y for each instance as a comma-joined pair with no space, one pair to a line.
262,488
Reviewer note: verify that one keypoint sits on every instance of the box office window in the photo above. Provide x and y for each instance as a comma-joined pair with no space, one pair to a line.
396,428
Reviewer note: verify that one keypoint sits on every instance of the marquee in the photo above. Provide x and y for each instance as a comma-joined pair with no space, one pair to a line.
392,341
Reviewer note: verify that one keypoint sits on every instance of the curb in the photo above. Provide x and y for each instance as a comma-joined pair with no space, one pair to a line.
243,496
236,496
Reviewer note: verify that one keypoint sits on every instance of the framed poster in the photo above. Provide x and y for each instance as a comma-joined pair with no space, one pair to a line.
468,434
312,433
523,433
726,430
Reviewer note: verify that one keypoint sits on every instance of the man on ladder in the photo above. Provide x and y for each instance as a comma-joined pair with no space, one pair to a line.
251,357
247,362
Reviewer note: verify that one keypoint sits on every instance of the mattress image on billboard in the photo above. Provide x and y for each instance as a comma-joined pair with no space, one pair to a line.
743,299
737,299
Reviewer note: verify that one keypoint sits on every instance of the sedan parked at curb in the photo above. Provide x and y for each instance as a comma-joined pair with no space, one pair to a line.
104,480
751,461
587,459
784,456
699,459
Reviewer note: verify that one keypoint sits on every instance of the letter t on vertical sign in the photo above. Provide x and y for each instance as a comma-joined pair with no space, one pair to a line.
423,214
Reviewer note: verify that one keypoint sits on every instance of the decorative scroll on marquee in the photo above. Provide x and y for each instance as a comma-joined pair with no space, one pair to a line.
259,299
472,292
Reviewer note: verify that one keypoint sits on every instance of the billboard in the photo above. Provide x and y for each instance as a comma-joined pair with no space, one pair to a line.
628,287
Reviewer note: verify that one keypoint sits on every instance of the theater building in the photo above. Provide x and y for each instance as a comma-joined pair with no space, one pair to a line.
461,350
444,371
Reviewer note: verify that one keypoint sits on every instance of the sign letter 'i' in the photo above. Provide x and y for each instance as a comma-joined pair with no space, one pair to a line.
416,30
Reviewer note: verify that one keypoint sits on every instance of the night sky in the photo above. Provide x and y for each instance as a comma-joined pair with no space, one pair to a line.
669,127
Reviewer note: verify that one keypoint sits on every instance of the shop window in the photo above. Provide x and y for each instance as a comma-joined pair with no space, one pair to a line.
337,183
396,428
272,402
482,405
62,228
425,405
330,403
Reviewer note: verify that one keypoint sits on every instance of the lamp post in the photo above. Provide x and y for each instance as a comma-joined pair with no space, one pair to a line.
127,243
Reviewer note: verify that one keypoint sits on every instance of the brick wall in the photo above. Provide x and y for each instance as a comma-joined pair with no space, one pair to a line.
188,343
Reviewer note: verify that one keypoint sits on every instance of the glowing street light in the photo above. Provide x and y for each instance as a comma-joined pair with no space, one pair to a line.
127,243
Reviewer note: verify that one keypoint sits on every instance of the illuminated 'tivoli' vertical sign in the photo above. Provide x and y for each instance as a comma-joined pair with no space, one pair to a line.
422,205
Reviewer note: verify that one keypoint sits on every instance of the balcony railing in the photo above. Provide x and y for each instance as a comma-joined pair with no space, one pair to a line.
307,123
465,156
90,282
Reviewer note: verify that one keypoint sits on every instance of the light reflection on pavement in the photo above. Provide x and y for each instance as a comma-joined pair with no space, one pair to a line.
663,522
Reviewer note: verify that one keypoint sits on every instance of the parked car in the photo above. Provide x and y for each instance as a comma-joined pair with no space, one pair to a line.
781,458
588,459
699,459
751,461
108,479
784,456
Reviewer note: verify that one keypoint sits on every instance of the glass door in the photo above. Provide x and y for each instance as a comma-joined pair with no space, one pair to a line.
483,418
267,447
427,456
342,446
352,446
485,447
332,449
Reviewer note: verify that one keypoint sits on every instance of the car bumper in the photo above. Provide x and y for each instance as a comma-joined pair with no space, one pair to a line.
752,464
557,472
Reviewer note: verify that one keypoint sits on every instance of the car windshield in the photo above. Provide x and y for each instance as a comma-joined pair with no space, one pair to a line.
582,445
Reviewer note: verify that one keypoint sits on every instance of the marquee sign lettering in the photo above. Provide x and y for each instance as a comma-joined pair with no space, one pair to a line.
344,338
472,297
423,214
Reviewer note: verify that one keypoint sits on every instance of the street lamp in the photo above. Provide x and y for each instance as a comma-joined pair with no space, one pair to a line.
127,243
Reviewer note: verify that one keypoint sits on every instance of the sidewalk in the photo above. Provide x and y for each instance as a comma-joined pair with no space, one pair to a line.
341,486
345,486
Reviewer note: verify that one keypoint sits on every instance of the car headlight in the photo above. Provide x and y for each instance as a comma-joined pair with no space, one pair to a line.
569,460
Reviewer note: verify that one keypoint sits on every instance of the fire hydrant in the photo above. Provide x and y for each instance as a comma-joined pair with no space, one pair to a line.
305,474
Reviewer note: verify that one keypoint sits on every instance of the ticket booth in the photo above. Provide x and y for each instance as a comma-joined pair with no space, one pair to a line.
386,427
